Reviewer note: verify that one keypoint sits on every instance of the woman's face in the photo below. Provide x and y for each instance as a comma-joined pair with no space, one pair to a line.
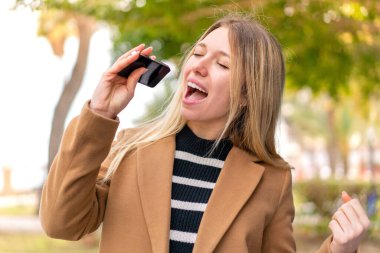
206,81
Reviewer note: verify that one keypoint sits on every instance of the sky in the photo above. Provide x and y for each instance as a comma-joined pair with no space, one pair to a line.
31,80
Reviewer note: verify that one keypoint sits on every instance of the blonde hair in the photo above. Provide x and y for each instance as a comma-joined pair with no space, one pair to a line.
256,86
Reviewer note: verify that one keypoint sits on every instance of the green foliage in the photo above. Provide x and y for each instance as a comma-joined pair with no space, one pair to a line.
311,45
170,25
327,43
319,57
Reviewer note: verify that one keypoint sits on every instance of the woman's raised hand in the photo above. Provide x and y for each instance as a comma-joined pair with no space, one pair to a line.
114,92
348,225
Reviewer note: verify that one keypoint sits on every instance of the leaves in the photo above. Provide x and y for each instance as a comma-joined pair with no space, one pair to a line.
56,26
327,43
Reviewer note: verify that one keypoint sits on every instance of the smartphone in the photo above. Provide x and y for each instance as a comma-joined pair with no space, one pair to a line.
156,70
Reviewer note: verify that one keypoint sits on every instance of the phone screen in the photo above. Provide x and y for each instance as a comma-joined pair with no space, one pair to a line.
155,73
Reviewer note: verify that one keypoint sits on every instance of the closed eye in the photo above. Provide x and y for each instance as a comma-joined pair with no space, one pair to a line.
223,66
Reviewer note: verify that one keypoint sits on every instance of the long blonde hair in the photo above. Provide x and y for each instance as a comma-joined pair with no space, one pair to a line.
256,87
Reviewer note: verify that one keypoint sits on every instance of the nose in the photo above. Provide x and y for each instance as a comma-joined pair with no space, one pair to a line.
200,67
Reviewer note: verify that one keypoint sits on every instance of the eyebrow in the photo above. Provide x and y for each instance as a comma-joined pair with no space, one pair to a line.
201,44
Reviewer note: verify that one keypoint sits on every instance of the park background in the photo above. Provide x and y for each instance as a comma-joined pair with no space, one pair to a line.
52,54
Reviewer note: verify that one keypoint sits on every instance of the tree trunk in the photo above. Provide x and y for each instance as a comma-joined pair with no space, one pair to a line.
371,152
332,140
86,27
345,153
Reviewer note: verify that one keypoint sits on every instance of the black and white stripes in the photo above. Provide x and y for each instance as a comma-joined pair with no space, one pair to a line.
195,173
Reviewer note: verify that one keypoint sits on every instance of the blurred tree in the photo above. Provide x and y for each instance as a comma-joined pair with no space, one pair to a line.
60,19
309,125
56,26
327,44
332,48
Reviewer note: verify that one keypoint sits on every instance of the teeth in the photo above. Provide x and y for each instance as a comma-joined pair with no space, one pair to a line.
193,85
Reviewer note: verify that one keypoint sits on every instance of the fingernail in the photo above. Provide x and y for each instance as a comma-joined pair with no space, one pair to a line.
345,197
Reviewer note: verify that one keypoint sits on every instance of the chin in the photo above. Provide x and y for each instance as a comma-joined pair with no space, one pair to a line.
190,115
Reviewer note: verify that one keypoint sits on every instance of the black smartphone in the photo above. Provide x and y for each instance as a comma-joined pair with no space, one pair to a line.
156,70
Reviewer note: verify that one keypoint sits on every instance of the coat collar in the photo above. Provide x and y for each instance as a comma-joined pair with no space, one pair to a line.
155,167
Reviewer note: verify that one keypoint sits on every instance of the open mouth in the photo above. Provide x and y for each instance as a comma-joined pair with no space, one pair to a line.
194,92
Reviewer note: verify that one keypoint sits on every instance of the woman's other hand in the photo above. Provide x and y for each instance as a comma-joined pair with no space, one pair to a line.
114,92
348,225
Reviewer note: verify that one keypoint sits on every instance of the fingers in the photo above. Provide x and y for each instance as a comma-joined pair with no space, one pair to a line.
336,229
351,215
344,221
361,213
353,206
138,48
348,225
345,197
350,219
147,51
129,57
134,77
124,61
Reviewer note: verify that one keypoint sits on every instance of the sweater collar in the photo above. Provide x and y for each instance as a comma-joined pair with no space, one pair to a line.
187,141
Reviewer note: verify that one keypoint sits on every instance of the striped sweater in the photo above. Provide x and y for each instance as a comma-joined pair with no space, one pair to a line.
195,173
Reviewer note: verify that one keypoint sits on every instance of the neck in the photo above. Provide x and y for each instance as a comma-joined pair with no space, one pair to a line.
205,131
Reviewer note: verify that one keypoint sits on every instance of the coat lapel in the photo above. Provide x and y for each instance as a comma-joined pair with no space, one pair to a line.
236,183
155,167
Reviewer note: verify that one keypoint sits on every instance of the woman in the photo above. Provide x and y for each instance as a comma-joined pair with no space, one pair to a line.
202,177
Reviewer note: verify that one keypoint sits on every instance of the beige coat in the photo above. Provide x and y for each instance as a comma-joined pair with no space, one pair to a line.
250,209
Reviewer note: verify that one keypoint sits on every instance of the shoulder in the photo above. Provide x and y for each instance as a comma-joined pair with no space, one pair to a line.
276,179
273,188
276,166
274,176
277,175
277,184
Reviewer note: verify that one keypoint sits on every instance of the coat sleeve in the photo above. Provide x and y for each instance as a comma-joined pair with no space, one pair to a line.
279,233
73,201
